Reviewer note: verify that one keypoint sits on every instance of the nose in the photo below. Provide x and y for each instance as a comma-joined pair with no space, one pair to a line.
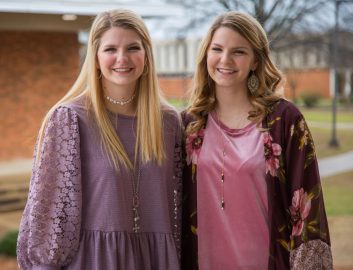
121,57
225,57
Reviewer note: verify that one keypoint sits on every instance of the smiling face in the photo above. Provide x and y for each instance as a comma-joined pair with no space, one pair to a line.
121,58
230,58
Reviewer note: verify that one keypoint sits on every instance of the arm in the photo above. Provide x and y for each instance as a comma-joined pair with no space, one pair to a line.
309,236
50,226
189,250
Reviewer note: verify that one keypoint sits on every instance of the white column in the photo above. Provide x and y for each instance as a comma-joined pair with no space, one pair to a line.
163,58
181,57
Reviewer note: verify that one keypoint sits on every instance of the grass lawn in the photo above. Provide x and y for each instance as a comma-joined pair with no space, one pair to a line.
322,138
338,194
325,115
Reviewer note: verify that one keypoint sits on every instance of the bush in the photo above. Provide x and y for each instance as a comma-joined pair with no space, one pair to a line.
310,98
8,243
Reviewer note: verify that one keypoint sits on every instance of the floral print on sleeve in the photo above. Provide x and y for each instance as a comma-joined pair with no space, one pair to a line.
272,154
193,146
301,131
299,210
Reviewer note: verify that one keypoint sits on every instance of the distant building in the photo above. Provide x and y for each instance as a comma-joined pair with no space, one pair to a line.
307,62
40,50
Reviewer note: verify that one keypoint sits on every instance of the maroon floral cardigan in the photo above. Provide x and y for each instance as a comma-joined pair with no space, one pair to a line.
299,235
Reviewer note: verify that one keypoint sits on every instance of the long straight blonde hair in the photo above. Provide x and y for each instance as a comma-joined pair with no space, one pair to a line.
203,94
150,140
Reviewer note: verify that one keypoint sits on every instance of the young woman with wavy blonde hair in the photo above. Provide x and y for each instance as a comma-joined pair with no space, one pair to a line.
105,187
252,190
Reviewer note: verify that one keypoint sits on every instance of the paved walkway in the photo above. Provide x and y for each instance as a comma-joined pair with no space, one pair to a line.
327,166
16,167
336,164
345,126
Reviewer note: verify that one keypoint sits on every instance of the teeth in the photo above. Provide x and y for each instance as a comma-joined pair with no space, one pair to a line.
227,71
121,69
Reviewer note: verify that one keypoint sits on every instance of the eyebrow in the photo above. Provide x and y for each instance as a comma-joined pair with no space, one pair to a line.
240,47
128,45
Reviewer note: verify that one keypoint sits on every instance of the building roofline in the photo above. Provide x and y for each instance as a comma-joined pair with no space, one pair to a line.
88,8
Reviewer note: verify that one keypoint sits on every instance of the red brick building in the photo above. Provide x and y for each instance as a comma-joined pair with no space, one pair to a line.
40,60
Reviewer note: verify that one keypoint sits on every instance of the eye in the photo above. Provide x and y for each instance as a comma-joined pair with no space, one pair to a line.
239,52
109,49
134,48
216,49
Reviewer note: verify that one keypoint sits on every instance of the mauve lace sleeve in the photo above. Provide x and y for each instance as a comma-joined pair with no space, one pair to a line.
50,226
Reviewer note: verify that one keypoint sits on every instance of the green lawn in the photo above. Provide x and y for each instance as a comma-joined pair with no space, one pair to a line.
325,115
322,138
338,194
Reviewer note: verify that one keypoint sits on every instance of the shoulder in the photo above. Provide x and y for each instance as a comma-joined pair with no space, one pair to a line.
186,118
75,109
286,110
170,115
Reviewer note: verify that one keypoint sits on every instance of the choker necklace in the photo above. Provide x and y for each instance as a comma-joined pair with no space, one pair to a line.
122,103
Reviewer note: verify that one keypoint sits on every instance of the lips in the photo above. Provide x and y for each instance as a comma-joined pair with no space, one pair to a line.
225,70
122,69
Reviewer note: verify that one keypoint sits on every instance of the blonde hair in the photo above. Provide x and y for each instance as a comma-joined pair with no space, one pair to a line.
149,142
203,96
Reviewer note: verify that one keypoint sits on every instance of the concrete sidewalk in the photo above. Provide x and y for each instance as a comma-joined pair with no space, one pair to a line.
336,164
16,167
342,126
327,166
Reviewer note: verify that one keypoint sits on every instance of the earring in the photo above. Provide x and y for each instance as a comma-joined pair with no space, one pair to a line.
253,83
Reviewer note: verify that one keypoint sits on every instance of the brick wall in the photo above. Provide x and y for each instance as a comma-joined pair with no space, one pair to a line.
175,87
37,68
315,80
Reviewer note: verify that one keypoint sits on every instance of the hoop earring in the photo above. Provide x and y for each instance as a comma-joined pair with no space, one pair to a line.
253,83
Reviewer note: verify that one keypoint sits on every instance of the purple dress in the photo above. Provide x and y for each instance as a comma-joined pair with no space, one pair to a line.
79,209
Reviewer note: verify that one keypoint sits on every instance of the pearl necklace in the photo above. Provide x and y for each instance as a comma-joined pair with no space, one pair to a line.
122,103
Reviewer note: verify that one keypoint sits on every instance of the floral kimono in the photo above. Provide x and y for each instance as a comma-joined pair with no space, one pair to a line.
299,236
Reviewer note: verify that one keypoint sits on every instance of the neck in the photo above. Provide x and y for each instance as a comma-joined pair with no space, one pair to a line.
127,109
233,107
120,94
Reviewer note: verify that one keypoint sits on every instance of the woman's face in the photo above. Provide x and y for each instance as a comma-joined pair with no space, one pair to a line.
230,58
121,57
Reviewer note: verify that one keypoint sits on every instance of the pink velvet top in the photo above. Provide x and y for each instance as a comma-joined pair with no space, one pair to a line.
236,237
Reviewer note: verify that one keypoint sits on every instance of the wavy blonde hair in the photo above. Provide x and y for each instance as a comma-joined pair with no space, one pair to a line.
149,142
203,96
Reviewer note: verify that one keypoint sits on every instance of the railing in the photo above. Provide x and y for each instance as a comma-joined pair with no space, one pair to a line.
13,193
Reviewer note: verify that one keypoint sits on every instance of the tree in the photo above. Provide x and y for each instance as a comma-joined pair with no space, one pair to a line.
278,17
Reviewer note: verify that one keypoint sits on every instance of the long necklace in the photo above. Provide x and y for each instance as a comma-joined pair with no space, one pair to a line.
222,178
122,103
136,197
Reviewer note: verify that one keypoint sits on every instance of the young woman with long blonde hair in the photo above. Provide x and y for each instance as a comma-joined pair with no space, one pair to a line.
105,188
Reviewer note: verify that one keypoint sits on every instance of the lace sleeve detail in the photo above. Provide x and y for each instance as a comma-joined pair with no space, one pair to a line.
314,254
50,226
177,192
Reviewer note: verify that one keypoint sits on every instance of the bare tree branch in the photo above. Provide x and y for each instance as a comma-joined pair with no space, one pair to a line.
278,17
